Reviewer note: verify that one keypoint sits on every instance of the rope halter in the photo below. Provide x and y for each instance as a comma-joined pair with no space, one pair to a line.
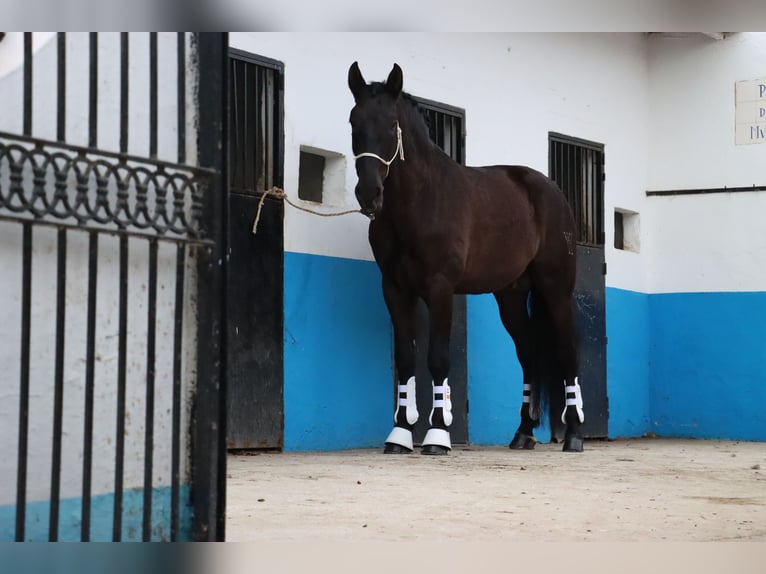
398,151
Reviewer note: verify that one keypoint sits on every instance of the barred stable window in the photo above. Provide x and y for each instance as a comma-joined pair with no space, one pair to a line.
255,108
577,166
446,127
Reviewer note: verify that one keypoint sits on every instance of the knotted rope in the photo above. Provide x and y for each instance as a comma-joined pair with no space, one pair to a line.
279,193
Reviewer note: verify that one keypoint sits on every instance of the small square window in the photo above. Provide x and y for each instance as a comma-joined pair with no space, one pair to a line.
627,236
311,176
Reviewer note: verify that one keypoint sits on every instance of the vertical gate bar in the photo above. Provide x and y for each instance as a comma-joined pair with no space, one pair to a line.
90,361
58,392
269,139
26,307
583,181
61,88
176,432
121,373
27,83
249,177
209,428
260,126
600,187
594,196
124,75
150,370
583,193
153,94
236,180
93,104
181,52
279,144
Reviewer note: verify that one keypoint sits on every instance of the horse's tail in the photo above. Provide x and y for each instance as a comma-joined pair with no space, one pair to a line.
550,378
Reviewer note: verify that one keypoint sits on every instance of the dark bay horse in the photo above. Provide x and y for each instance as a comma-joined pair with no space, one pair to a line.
438,228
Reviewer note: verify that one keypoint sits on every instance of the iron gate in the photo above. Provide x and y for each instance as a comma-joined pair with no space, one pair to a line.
136,284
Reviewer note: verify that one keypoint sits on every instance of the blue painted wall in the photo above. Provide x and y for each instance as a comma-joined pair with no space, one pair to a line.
338,389
687,364
627,362
708,365
494,377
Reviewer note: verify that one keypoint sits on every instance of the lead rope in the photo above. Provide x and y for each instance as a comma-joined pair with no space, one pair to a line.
279,193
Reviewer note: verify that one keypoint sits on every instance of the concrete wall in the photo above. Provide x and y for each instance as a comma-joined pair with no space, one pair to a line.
707,279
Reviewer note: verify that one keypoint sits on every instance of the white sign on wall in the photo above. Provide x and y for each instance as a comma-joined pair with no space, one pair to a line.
750,115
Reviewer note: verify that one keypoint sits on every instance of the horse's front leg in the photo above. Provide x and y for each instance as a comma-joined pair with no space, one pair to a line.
401,307
439,300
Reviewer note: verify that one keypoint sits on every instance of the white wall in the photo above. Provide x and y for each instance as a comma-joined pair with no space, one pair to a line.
703,243
44,274
515,88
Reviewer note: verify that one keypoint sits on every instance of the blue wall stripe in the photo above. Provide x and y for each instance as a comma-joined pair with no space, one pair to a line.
708,360
687,364
627,362
494,377
338,386
102,510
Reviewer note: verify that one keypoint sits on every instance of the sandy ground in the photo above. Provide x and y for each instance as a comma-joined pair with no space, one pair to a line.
625,490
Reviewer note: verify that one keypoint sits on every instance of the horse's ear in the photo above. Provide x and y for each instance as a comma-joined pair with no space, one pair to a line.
356,82
395,81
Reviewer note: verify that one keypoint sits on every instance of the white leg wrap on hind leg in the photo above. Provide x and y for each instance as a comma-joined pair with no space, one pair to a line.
406,398
573,398
442,399
438,437
526,402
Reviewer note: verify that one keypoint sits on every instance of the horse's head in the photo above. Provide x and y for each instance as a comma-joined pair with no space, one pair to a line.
375,135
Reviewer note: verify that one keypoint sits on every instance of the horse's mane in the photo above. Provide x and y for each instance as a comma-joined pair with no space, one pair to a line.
418,116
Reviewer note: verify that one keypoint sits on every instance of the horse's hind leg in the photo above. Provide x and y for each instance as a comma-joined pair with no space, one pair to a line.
560,305
401,307
512,305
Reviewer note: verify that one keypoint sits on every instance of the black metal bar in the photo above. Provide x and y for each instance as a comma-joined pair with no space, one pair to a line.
28,83
279,130
181,51
121,382
209,430
153,94
61,88
601,197
93,105
704,191
151,331
26,307
175,472
124,75
58,392
90,363
250,117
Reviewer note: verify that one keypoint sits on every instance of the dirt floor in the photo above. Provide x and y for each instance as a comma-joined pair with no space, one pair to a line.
625,490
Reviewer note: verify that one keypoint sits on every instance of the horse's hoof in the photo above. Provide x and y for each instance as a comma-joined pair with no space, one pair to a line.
522,441
434,449
392,448
573,444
